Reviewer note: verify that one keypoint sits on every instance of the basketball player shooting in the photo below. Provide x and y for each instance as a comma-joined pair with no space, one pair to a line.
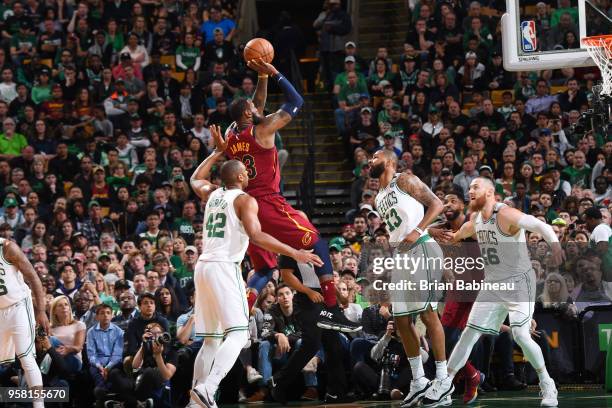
221,314
18,318
500,231
251,140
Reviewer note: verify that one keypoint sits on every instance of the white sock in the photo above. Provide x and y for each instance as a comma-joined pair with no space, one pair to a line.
416,366
441,370
462,350
204,360
225,358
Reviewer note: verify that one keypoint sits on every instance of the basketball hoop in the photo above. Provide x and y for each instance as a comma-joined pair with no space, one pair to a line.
600,49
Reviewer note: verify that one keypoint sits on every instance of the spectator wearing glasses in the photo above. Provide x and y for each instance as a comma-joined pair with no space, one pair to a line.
11,142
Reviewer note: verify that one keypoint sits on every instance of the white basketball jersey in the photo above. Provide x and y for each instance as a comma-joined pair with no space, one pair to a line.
401,212
224,237
12,286
505,256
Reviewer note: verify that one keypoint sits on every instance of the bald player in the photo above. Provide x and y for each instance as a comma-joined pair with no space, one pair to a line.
500,231
221,314
401,202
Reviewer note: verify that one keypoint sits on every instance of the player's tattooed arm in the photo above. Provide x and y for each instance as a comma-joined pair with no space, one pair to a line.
265,131
412,185
14,255
199,180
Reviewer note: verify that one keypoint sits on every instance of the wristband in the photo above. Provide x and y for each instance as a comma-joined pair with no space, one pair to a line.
262,76
420,231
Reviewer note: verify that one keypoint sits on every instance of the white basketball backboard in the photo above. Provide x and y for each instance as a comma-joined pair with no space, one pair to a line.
532,40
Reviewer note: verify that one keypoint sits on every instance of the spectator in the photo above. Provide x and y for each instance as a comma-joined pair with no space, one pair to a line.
104,350
68,333
333,23
217,20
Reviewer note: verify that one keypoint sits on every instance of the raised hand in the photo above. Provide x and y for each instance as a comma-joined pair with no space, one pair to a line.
262,67
220,143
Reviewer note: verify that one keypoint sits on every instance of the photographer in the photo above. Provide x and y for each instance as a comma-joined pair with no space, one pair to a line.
152,368
391,371
155,363
52,365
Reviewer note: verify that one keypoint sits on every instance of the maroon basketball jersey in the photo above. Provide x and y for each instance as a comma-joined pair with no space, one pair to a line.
261,163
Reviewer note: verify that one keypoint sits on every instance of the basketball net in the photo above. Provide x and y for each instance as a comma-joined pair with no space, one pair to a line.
600,50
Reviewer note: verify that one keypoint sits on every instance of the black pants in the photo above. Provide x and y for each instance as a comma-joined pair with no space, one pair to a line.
307,313
367,379
143,386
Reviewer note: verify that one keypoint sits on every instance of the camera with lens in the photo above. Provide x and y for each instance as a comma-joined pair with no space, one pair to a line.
40,332
161,339
390,363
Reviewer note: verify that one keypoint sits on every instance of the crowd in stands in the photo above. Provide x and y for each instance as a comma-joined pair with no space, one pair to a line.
104,115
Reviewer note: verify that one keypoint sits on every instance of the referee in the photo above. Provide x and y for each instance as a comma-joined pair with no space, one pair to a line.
307,305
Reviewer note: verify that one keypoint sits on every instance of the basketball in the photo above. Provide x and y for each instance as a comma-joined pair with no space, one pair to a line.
259,48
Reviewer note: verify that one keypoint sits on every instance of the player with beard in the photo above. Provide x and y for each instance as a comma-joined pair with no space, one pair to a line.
401,202
500,231
458,304
250,139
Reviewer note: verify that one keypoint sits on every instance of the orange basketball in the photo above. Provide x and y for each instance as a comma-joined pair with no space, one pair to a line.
259,48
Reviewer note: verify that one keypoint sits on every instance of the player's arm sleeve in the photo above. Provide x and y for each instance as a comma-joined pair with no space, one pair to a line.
294,100
531,223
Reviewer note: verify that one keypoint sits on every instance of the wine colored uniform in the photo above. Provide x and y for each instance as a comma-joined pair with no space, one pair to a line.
276,216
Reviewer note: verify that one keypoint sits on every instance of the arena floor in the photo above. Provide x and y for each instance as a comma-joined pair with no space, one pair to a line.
528,399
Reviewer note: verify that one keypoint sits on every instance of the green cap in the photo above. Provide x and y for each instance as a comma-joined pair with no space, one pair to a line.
10,202
337,243
178,177
93,203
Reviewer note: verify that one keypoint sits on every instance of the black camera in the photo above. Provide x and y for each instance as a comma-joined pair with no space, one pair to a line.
161,339
40,332
390,362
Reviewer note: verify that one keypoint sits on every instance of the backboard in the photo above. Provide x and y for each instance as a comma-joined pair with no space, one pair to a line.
535,33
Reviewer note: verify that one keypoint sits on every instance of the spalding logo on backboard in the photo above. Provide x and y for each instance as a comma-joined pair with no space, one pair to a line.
529,41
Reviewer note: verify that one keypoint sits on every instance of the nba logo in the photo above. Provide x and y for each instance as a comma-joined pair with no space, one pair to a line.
528,36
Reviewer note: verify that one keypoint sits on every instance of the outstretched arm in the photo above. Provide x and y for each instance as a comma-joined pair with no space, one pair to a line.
13,254
199,180
246,208
512,220
412,185
467,230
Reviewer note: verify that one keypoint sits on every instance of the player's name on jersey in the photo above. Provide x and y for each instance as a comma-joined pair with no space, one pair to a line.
457,285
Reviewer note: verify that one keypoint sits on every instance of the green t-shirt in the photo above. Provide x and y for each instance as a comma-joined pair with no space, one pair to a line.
19,40
575,176
14,145
556,15
350,94
188,55
183,275
41,94
341,79
185,229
